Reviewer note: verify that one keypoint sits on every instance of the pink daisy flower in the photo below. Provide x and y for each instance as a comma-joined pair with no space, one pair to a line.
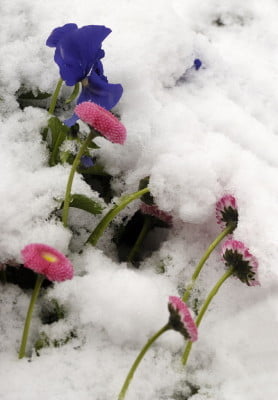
236,254
46,260
102,121
154,211
226,211
181,320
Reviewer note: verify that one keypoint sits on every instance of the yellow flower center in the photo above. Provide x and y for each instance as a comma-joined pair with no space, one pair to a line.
49,257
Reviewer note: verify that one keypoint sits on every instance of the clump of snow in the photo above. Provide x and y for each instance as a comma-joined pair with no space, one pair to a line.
111,297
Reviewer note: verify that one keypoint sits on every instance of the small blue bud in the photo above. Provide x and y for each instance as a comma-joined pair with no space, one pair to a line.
197,64
87,161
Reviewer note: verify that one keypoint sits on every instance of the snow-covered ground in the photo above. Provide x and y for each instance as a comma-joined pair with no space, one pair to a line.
198,134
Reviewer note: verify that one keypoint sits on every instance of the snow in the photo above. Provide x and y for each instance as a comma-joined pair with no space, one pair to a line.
198,134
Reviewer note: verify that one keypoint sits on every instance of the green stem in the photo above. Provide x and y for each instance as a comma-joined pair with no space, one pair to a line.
100,228
52,160
229,229
145,229
139,358
55,97
204,307
74,166
24,338
74,93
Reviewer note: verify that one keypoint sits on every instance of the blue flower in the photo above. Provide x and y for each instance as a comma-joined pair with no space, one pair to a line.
78,53
77,50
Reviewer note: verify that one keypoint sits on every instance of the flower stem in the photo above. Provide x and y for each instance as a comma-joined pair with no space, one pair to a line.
52,160
204,307
74,93
139,358
100,228
74,166
229,229
145,229
55,97
24,338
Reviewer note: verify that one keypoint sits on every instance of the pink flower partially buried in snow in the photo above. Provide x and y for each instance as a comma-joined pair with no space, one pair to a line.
180,318
102,121
235,254
227,211
46,260
154,211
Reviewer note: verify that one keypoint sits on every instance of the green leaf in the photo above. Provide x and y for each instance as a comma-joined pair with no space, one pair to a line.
31,96
85,203
95,170
27,98
93,145
57,127
58,135
64,156
44,132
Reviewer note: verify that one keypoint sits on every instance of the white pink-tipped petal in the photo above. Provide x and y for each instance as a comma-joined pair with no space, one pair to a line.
226,211
236,254
181,319
154,211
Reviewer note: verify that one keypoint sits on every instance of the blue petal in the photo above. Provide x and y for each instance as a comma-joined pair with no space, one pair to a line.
100,54
78,50
101,92
71,71
57,34
71,121
98,69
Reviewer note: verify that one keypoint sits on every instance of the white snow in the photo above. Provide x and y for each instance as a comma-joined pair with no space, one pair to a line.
198,134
